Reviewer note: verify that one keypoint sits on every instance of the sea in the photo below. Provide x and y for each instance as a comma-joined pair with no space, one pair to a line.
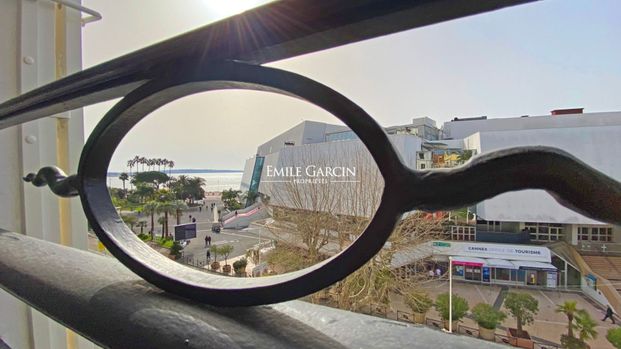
214,181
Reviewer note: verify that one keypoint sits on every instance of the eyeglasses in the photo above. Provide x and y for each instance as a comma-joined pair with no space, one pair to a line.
573,184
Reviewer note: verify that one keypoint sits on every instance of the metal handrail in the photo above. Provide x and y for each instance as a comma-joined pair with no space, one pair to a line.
106,303
92,294
94,15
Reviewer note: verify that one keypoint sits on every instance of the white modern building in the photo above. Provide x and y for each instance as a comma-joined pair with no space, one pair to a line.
592,137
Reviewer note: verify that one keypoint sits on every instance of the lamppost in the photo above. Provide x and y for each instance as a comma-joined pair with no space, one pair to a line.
450,324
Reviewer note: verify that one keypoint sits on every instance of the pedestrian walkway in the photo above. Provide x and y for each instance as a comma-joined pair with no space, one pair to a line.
501,297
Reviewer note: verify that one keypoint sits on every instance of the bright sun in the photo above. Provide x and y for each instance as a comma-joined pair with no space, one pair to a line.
227,8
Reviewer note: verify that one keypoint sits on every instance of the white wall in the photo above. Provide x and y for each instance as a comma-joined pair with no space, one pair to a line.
306,132
14,315
463,129
596,146
27,30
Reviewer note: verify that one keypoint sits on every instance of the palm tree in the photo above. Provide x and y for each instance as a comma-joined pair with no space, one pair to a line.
569,308
165,207
585,325
178,207
130,164
142,224
123,177
164,223
150,208
195,188
171,164
143,161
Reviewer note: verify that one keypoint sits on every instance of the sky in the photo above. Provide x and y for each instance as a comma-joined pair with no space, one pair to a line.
524,60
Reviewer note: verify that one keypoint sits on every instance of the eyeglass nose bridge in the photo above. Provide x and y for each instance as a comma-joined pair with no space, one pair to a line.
571,182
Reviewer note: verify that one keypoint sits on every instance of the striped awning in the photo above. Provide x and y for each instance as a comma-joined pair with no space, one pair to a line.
533,265
500,263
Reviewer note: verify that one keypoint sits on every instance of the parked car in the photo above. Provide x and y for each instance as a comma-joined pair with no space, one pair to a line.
216,228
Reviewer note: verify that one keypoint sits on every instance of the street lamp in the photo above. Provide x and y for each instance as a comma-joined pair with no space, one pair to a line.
450,326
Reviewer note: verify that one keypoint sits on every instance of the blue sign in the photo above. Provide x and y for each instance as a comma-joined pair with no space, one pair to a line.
486,274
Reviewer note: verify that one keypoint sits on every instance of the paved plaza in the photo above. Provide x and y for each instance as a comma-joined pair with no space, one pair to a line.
548,326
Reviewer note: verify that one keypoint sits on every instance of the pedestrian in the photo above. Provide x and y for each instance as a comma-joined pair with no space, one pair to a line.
438,272
235,213
190,217
209,240
430,273
194,220
200,208
609,314
206,240
208,256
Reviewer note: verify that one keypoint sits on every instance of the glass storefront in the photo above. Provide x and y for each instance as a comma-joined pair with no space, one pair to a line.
488,274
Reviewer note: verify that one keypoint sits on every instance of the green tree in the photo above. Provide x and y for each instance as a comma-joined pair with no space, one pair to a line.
166,208
150,208
585,325
163,221
460,306
230,198
569,308
178,206
215,251
195,188
523,308
614,337
142,225
153,178
225,251
185,187
487,316
466,155
144,191
123,177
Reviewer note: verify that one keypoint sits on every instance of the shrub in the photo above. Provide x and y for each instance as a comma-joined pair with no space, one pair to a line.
486,316
144,237
175,249
460,306
239,266
614,337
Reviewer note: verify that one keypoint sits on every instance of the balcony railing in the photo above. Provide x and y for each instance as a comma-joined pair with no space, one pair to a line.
600,248
99,298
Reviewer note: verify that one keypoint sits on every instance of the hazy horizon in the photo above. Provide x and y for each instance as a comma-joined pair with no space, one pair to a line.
522,60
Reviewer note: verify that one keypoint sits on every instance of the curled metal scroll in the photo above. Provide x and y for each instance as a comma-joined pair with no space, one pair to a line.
573,183
59,183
